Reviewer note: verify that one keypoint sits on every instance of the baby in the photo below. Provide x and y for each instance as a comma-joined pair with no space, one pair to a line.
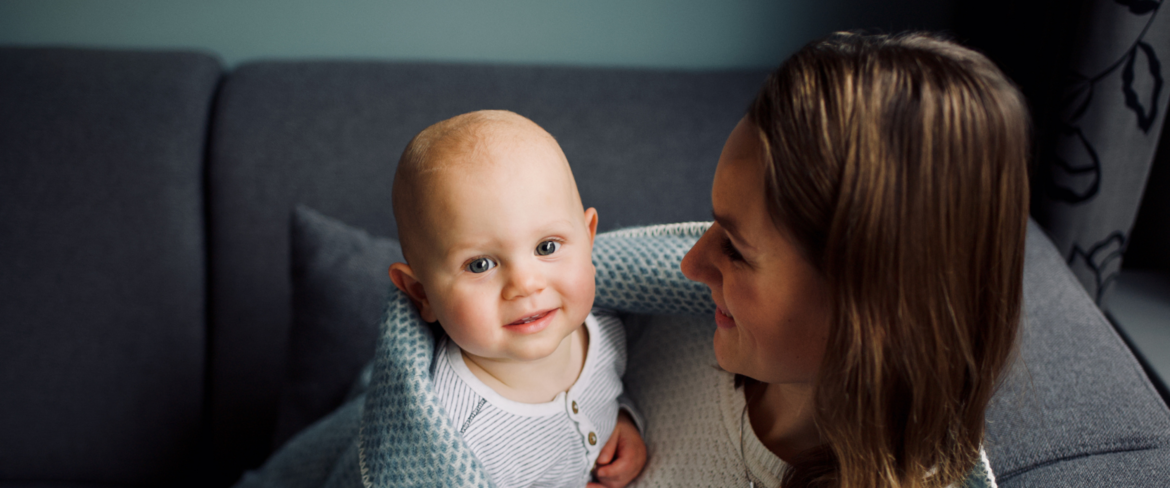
498,251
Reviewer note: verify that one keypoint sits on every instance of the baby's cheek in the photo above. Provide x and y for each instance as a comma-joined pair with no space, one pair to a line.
465,323
580,285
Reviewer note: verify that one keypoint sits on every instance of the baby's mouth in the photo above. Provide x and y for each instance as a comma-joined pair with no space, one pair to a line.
530,318
722,311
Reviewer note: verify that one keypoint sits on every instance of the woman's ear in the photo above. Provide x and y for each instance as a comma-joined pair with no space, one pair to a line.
591,223
404,278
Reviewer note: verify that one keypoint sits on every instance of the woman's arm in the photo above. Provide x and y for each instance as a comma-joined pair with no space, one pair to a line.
638,270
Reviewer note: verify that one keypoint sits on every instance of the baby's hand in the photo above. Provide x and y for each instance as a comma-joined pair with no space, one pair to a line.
623,456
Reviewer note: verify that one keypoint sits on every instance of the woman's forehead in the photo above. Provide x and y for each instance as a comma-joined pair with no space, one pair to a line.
737,195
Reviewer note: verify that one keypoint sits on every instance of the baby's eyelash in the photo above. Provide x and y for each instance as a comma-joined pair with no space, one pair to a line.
730,251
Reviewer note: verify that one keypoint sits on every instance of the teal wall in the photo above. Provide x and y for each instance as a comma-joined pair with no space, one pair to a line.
690,34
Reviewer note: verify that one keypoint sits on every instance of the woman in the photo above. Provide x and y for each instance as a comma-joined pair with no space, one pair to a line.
866,258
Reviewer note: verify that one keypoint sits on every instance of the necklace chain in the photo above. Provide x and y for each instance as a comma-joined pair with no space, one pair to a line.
747,472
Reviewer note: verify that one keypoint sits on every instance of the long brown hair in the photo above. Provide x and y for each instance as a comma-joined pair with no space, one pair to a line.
898,165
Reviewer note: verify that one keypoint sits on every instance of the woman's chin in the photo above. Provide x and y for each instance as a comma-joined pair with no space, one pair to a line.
725,354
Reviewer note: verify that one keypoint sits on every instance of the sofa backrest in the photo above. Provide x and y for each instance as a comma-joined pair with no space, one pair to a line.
102,263
1076,404
642,144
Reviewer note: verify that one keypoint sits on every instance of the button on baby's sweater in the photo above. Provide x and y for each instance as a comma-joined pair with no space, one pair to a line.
585,427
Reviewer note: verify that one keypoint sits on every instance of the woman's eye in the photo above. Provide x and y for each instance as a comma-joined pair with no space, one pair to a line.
547,247
479,265
730,251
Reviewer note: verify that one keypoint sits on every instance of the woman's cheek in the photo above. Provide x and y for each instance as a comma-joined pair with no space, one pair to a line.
734,298
737,347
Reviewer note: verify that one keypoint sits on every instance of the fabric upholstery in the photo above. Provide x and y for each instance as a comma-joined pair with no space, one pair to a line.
1076,390
339,283
1119,469
643,146
102,324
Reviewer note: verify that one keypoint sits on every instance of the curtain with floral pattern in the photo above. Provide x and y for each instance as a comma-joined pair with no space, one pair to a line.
1096,156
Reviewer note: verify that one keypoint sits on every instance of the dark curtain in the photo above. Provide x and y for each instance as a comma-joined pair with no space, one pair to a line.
1094,73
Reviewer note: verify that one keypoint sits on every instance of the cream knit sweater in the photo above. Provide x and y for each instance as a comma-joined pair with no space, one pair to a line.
692,409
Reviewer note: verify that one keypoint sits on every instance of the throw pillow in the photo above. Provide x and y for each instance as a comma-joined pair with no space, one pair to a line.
339,285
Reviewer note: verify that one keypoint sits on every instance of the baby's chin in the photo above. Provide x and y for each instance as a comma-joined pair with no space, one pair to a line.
538,348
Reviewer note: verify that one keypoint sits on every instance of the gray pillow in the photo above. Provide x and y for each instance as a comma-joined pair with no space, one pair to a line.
339,284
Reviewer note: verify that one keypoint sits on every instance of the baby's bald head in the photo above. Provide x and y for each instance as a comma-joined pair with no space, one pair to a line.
473,146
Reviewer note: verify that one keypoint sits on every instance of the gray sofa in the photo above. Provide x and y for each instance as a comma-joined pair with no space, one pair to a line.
147,320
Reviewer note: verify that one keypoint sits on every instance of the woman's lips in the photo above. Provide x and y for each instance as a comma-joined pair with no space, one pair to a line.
532,323
723,319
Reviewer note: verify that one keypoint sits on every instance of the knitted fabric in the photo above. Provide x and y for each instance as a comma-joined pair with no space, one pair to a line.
638,270
406,439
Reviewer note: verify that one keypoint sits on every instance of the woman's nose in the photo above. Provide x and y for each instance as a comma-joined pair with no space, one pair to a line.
696,265
523,280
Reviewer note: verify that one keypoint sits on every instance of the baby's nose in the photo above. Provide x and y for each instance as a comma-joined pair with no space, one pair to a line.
524,280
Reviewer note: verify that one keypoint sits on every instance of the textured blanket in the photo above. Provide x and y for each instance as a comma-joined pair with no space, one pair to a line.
397,434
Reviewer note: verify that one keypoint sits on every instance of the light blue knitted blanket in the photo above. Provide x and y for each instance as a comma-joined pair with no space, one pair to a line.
403,436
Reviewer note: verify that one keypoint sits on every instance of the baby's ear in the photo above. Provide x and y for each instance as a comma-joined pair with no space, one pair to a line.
591,223
404,278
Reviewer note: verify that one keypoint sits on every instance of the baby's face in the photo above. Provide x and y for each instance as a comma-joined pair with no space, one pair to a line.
507,263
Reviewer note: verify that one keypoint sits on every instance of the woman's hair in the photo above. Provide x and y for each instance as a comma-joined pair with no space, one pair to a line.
898,166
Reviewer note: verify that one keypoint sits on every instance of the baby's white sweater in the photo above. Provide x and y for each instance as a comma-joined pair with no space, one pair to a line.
539,444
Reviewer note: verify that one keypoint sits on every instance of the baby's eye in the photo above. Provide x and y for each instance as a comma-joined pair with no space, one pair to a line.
547,247
479,265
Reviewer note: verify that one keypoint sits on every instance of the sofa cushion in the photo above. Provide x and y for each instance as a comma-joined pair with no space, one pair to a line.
103,269
339,283
1076,390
